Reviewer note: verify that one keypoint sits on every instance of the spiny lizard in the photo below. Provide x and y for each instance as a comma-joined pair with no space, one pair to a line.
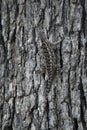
50,58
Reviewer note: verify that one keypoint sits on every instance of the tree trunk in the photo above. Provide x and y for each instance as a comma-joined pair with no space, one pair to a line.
23,104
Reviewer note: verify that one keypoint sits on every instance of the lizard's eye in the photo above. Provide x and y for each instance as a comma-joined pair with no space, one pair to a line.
41,46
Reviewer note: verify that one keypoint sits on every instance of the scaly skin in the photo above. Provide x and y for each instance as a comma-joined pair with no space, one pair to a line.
50,57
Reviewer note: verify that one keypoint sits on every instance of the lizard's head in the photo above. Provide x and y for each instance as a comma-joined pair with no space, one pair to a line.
42,38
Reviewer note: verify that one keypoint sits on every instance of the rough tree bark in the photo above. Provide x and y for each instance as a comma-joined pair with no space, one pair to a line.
23,104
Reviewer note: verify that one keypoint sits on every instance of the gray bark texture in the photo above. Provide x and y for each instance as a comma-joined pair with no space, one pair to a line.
23,104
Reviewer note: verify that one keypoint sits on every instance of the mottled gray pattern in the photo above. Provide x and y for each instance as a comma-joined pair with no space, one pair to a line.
23,105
